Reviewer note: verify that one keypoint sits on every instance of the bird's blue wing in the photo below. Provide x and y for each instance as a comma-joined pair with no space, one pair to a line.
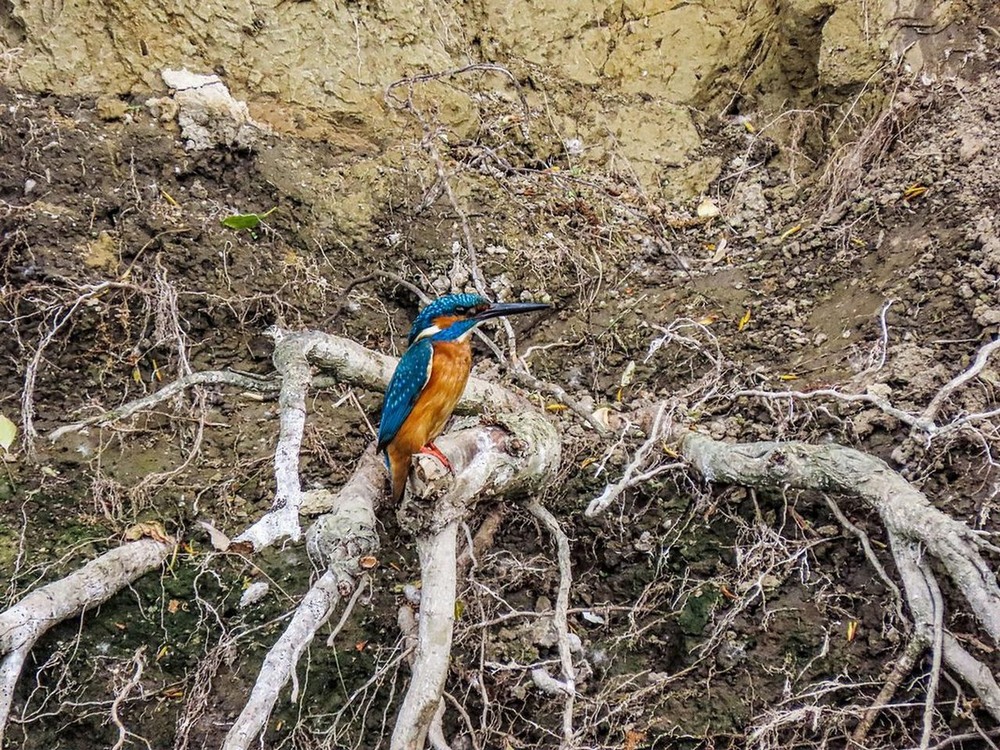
409,379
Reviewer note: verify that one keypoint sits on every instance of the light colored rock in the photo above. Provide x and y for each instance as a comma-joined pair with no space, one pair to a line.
208,114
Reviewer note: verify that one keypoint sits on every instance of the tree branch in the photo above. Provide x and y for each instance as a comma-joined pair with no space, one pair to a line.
905,511
93,584
487,461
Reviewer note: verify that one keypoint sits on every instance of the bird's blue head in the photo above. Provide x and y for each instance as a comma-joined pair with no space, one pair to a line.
453,316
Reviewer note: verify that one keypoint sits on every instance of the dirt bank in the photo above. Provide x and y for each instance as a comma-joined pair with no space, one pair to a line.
846,237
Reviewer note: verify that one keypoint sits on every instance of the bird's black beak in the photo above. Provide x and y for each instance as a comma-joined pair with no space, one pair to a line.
500,309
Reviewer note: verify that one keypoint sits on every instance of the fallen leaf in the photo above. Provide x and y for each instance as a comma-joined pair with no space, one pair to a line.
360,645
146,530
707,209
669,451
556,407
789,232
707,320
744,320
459,609
633,739
8,431
592,617
914,191
246,221
253,593
164,650
720,250
368,562
788,376
220,541
603,416
852,630
173,605
628,375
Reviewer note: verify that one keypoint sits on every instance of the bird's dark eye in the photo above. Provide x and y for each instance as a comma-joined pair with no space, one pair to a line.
461,310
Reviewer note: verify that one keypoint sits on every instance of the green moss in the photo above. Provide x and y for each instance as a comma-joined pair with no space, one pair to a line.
698,610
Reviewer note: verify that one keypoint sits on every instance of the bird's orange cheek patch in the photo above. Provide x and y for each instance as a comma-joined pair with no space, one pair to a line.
443,321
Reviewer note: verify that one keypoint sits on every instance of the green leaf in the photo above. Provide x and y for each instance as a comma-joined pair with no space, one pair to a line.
246,221
8,431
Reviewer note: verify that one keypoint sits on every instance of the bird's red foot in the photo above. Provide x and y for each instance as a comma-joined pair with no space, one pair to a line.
432,450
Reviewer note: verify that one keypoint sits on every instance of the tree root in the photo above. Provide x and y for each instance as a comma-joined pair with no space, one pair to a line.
568,684
486,461
93,584
913,524
338,540
280,663
510,456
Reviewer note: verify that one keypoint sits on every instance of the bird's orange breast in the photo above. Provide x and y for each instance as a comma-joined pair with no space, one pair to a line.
450,369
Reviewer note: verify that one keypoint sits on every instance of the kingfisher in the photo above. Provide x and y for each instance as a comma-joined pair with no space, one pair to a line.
430,378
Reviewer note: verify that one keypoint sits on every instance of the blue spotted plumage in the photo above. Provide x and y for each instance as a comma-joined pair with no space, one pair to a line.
430,378
452,304
409,379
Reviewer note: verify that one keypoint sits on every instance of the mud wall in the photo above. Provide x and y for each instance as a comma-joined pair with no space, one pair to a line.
631,83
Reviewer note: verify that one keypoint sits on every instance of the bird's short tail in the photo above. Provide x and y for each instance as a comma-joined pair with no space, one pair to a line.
399,470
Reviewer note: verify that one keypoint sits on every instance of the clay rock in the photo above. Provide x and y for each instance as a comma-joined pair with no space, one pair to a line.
207,113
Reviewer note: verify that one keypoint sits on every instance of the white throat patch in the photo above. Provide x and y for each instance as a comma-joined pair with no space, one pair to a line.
432,330
428,331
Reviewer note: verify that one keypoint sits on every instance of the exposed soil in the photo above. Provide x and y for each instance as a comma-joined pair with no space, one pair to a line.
787,284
